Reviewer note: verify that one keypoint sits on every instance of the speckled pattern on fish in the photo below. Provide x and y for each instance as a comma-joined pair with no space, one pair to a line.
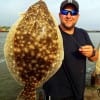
34,49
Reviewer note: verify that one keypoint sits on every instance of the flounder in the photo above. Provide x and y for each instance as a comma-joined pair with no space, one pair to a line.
97,71
33,49
98,61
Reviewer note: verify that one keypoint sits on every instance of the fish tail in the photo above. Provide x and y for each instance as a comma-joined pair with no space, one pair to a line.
27,94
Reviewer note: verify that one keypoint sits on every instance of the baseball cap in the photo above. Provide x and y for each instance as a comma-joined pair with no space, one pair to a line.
69,2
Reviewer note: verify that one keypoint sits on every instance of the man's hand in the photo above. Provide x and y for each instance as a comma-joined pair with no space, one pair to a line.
86,50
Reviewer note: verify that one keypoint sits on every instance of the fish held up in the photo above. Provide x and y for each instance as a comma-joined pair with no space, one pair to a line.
34,49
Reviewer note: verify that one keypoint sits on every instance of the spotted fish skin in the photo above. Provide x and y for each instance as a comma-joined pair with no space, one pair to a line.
34,49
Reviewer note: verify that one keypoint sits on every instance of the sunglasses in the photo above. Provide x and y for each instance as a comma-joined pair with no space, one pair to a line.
72,12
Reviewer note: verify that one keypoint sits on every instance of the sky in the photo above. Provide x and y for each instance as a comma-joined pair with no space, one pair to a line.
10,11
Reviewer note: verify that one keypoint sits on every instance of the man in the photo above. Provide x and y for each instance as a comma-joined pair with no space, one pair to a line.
69,82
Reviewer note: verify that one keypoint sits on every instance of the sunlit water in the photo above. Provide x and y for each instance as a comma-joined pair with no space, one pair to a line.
9,88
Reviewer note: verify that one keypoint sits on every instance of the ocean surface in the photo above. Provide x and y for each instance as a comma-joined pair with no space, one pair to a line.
9,88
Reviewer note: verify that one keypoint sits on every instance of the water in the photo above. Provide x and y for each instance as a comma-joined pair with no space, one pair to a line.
9,88
95,37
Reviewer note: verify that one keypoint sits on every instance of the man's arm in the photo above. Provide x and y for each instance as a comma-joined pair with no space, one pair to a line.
90,52
94,56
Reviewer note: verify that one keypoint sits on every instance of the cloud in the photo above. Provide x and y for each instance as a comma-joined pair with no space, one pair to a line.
89,11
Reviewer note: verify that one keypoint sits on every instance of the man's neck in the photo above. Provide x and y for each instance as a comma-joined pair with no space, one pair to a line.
68,31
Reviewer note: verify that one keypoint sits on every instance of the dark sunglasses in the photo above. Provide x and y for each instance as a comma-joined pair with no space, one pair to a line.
72,12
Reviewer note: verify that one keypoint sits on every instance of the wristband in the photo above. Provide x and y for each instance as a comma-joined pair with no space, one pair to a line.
93,53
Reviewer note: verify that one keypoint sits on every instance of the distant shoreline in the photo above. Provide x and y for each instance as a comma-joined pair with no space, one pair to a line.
93,31
86,30
4,31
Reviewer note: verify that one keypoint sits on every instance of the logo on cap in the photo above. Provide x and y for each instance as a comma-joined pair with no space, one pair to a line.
69,1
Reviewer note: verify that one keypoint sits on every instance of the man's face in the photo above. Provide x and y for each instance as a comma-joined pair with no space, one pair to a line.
69,17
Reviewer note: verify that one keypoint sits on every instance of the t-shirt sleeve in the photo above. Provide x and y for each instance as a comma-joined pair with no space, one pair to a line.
87,37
